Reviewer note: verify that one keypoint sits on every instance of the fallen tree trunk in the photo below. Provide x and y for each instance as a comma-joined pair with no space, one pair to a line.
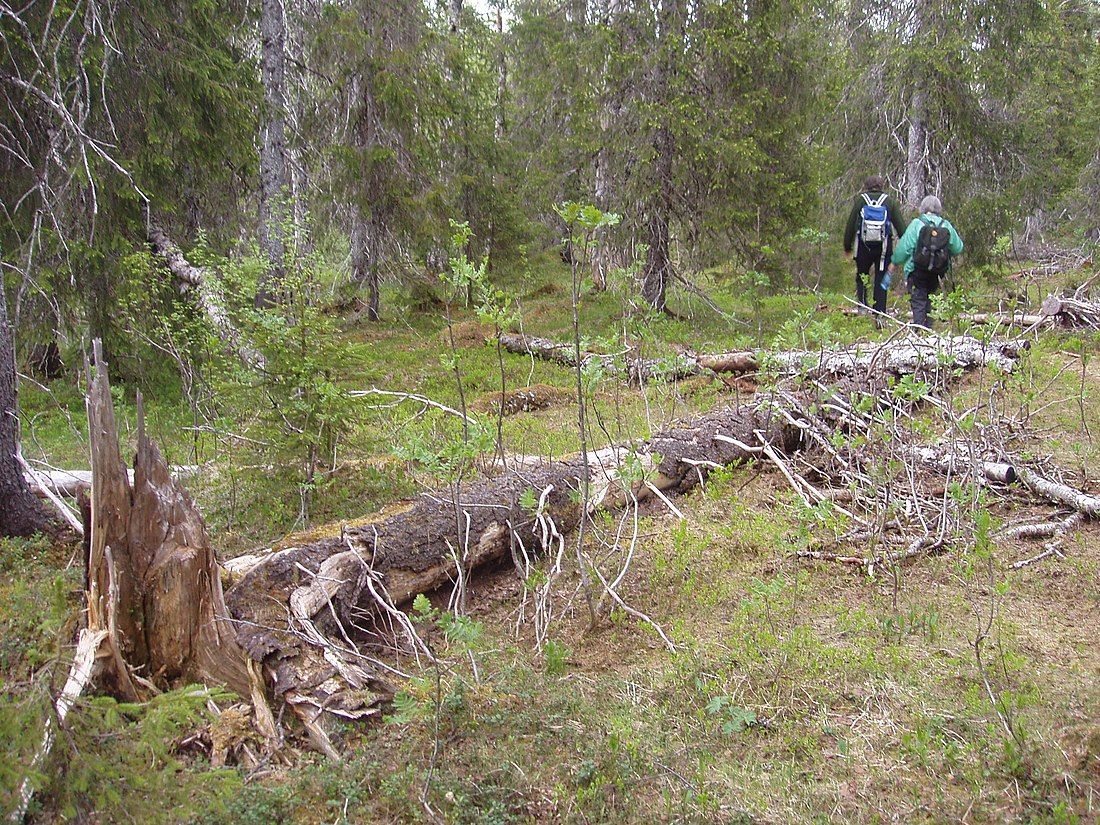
1013,319
190,277
1071,312
905,355
625,365
325,585
71,483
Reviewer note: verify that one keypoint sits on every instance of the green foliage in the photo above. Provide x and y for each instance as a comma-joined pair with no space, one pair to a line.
128,757
281,397
555,656
733,719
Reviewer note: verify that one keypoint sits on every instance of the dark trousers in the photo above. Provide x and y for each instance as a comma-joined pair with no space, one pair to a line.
920,299
871,262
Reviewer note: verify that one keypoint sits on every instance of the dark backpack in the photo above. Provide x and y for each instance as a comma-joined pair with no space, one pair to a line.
932,254
874,220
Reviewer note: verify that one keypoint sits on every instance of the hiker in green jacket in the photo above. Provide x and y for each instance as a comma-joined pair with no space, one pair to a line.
926,250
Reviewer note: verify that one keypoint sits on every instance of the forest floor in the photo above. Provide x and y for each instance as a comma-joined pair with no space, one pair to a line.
950,687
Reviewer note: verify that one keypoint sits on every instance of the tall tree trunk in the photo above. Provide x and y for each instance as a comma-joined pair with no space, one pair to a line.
273,177
657,272
916,163
456,15
658,265
365,238
502,76
19,511
367,231
606,256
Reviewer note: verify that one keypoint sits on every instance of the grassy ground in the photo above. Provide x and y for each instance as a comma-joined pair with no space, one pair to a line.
799,692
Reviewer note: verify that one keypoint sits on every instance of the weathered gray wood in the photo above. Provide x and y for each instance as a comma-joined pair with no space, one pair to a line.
195,278
900,356
71,482
152,580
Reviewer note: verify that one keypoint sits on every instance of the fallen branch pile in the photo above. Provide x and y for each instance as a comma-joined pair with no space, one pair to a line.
299,624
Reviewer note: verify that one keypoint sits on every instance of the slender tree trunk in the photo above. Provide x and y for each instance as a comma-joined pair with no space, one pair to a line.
20,514
916,166
273,177
657,272
502,76
365,238
658,266
456,15
606,255
367,231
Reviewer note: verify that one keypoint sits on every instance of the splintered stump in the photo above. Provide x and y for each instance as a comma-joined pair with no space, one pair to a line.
152,580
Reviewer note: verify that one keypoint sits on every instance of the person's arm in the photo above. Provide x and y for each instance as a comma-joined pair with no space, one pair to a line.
897,217
850,229
955,243
904,250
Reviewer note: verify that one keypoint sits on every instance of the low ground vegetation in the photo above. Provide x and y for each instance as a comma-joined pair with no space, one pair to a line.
948,687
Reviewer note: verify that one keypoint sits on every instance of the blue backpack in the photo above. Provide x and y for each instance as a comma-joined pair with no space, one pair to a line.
874,220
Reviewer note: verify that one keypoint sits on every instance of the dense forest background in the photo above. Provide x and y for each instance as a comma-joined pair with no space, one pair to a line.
354,133
303,233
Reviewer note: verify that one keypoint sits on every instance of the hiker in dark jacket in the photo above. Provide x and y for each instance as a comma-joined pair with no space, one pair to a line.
923,284
872,256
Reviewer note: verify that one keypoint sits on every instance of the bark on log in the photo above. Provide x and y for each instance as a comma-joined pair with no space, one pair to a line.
411,549
1072,312
1082,502
627,366
1017,319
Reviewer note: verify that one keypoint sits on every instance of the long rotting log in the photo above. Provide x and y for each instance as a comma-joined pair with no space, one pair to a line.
324,585
903,355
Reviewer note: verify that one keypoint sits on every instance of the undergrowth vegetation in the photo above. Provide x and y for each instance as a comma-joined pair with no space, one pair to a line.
946,688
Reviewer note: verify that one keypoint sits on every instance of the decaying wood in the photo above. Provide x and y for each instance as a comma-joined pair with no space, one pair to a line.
1007,319
1058,493
325,586
42,488
151,578
625,364
1072,312
1056,534
901,355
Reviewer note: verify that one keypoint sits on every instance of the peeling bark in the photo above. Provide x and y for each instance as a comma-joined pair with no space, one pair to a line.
325,585
151,578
